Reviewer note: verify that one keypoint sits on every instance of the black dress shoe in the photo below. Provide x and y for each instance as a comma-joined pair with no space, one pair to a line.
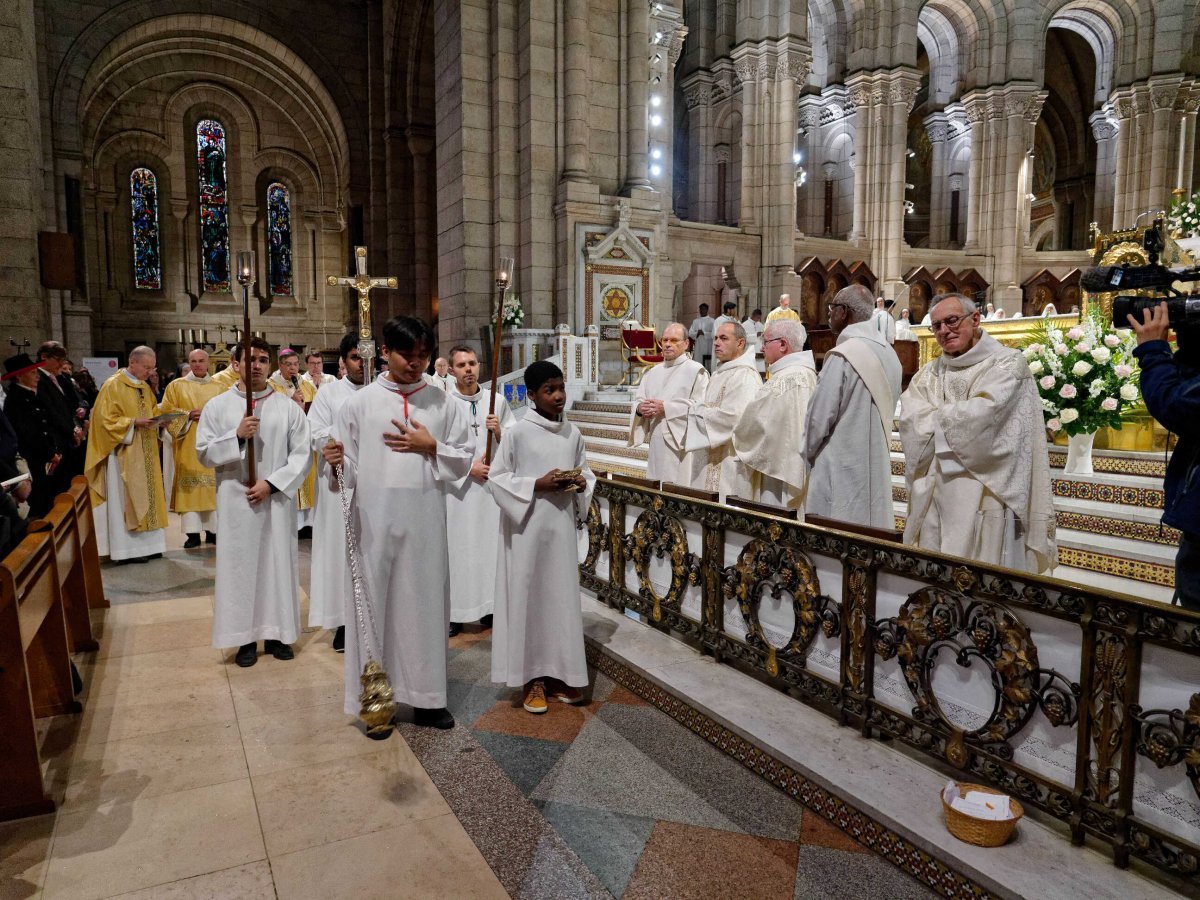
278,649
193,540
486,622
210,537
339,639
247,655
305,533
455,628
433,718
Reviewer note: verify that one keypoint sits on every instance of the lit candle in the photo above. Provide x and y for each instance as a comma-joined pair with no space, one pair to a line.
245,265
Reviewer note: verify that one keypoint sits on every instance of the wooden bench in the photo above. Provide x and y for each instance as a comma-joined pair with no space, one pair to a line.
88,549
35,670
63,524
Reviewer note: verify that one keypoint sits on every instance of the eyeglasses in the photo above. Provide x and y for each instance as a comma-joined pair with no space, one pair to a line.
772,340
950,322
832,306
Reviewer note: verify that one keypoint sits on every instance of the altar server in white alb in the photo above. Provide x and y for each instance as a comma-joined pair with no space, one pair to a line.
329,591
701,334
850,418
472,517
769,437
975,454
403,443
542,483
712,464
660,412
258,583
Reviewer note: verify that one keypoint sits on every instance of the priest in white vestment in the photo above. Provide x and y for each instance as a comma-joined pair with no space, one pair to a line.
538,639
664,398
769,437
329,588
976,462
711,463
753,326
314,371
472,516
441,377
407,442
850,418
884,320
701,332
257,594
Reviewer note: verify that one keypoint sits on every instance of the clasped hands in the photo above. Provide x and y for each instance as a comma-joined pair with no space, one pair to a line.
557,480
650,409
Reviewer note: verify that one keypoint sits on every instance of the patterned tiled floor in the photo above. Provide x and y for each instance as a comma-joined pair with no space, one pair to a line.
615,797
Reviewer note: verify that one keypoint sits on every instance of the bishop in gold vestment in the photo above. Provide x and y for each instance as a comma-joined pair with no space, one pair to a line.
123,467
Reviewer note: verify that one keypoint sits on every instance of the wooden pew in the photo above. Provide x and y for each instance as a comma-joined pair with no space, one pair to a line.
35,671
89,552
62,522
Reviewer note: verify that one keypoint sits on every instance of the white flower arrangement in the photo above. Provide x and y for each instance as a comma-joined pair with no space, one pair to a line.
1183,216
1086,376
512,313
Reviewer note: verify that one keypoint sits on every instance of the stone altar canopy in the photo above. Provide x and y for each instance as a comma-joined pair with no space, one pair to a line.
613,284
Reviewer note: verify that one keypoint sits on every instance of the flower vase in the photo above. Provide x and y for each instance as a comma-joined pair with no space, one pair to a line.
1079,454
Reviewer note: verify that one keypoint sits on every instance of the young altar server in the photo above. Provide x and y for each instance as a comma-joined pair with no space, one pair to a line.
406,441
258,582
328,595
538,639
471,514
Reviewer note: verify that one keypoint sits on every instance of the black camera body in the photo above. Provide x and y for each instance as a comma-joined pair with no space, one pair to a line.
1183,310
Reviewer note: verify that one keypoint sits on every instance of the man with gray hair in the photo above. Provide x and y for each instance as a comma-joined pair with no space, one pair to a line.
975,456
123,467
850,418
711,462
664,397
769,437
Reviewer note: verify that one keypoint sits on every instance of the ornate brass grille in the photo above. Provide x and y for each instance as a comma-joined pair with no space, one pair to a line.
948,613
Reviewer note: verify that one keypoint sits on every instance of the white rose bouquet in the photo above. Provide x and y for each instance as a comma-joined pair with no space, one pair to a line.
513,314
1183,216
1086,375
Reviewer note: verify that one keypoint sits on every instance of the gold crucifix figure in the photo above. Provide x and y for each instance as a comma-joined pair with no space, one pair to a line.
364,284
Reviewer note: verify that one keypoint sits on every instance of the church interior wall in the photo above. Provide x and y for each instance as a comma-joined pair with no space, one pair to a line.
447,129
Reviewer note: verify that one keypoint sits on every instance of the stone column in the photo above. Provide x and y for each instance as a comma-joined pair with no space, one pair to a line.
702,176
576,64
1022,108
21,202
420,145
976,117
1123,202
747,76
1164,147
902,86
1189,106
1104,130
859,94
637,68
937,125
812,195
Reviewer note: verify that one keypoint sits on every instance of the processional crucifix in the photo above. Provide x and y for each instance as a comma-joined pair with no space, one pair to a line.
377,705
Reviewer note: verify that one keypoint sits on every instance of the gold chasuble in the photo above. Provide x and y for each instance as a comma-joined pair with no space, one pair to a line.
226,378
123,399
306,496
195,487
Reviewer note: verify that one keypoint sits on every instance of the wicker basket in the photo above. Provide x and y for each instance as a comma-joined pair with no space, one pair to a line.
982,832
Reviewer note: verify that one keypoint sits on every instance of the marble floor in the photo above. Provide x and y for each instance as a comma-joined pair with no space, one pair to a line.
189,777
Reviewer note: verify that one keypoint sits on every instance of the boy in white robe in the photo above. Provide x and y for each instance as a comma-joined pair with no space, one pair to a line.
472,517
543,486
407,441
329,589
258,581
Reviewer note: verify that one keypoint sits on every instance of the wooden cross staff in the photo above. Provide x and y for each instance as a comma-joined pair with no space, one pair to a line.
364,284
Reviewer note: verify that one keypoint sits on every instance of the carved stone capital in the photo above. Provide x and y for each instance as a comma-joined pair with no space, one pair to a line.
1103,128
938,129
721,153
956,182
697,95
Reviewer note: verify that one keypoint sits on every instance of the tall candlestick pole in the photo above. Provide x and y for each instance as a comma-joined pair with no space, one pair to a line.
503,279
245,278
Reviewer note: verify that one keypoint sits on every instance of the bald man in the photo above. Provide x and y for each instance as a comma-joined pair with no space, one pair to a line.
191,487
123,467
664,397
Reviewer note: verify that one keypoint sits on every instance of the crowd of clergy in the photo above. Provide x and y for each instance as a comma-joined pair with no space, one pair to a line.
392,478
976,462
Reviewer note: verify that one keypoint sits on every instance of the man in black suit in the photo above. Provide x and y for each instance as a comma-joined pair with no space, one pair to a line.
60,397
37,434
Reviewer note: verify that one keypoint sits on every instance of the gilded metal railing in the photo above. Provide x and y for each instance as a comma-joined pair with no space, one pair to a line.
1070,732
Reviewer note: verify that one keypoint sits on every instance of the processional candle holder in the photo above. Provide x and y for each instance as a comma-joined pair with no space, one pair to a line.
245,277
504,273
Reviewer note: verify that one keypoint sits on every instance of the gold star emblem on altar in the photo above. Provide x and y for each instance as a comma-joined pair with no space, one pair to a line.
615,303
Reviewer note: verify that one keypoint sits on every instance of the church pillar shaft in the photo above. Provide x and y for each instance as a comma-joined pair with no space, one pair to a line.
1104,130
637,67
1124,160
938,129
1187,144
701,171
420,144
577,57
974,179
1164,166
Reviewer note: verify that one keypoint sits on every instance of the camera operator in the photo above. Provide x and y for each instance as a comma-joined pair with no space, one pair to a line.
1171,388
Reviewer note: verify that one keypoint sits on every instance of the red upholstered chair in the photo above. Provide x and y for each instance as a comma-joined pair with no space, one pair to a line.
641,350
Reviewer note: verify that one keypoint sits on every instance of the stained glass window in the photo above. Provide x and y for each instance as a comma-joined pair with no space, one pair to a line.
279,239
214,205
143,201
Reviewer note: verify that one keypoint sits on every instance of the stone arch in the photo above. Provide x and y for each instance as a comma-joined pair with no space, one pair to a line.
827,37
1128,24
980,33
1098,31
